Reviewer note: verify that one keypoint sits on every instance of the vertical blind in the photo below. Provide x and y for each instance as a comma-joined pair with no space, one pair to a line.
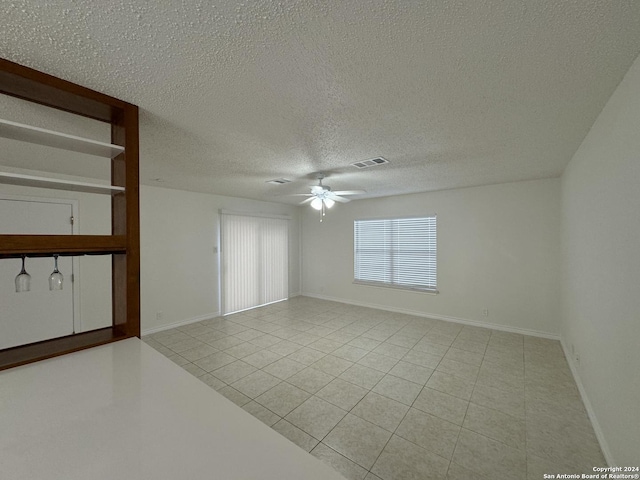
396,252
255,261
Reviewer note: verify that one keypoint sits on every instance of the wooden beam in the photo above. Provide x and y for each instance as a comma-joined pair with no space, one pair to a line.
13,246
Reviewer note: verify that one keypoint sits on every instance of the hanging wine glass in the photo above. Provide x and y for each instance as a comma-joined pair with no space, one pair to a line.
23,280
56,278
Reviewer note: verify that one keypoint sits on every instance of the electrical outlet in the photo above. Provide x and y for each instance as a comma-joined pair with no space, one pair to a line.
485,312
159,316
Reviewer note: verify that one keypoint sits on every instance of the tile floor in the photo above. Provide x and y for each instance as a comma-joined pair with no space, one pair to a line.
381,395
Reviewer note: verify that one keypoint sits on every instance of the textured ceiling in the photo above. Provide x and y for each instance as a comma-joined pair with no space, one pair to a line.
452,93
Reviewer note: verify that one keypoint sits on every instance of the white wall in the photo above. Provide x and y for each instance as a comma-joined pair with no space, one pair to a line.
601,266
178,233
498,249
94,279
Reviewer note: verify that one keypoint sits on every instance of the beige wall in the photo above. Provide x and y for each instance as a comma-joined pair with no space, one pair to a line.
498,249
179,269
601,265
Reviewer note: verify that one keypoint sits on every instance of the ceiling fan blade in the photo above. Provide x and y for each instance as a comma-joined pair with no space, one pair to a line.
349,192
335,197
306,200
299,195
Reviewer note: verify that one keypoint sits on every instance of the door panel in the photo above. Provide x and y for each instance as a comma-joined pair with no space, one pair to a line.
39,314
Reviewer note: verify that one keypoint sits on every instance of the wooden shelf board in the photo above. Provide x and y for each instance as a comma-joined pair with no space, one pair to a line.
57,184
21,355
14,246
41,136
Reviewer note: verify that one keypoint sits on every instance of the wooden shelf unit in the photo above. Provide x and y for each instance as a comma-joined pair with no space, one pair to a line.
123,243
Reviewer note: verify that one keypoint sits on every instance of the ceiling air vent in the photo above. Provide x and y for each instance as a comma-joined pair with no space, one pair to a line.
279,181
370,163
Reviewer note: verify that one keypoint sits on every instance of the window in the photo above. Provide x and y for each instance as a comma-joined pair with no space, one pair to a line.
398,252
255,261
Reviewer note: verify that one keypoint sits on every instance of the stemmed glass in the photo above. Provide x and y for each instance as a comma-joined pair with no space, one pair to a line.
23,280
56,278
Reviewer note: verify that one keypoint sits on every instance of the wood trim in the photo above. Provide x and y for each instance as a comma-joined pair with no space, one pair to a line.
38,87
12,246
21,355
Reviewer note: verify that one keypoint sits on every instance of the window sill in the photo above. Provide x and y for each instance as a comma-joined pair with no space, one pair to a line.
396,287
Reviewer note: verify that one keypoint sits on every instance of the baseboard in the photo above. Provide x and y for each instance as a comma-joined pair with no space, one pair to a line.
435,316
181,323
604,446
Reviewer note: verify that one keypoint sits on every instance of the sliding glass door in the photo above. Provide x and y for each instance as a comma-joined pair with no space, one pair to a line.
255,260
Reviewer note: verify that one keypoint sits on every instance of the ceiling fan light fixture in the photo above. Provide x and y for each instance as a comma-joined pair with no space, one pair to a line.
316,203
328,202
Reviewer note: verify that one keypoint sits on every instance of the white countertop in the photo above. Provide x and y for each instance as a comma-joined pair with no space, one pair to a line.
124,411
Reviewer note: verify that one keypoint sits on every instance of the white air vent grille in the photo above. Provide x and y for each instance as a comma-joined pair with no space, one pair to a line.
371,162
279,181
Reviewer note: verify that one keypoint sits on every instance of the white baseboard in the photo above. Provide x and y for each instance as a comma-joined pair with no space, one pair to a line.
604,446
435,316
181,323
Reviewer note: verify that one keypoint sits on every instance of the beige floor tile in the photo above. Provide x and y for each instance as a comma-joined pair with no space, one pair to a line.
284,368
456,472
316,417
266,340
365,343
212,381
371,476
306,355
262,358
456,386
381,411
214,361
235,396
398,389
342,394
537,467
332,365
411,372
391,350
349,352
439,338
442,405
242,350
249,334
464,356
459,369
304,338
184,345
294,434
256,383
378,335
496,425
233,371
348,469
363,376
194,369
283,398
429,432
501,380
489,457
403,460
310,379
178,359
402,340
263,414
199,352
226,342
431,348
509,402
378,362
358,440
469,346
424,359
325,345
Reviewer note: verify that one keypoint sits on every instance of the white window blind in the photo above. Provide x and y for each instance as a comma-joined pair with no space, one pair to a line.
397,252
255,261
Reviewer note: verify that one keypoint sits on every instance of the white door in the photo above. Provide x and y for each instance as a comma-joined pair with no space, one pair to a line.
39,314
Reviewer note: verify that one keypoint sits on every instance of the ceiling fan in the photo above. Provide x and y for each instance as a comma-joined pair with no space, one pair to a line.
322,197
